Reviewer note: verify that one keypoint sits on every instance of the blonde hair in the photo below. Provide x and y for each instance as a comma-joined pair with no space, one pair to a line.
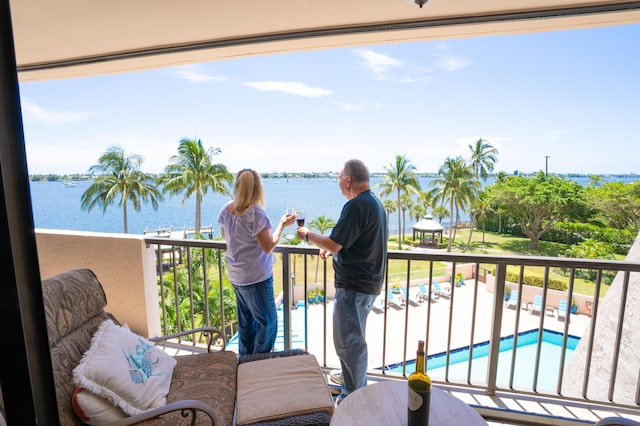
247,191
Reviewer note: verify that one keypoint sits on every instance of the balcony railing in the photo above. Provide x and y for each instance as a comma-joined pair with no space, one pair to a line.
473,319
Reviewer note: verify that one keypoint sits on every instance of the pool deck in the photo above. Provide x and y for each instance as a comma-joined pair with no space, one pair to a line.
457,311
460,314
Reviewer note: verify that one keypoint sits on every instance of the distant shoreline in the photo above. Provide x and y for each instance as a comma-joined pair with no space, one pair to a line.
322,175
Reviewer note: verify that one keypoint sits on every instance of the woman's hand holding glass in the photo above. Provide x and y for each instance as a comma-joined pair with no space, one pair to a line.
288,219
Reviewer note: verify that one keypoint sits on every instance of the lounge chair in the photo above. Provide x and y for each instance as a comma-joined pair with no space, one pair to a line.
513,299
439,291
378,304
392,302
536,306
562,310
424,293
413,300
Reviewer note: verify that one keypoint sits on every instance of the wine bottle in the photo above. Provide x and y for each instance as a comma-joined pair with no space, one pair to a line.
419,397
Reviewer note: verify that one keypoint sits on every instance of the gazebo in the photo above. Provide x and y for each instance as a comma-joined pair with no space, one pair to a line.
428,226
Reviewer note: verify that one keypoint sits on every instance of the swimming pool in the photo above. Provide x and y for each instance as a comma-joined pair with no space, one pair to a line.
525,353
297,331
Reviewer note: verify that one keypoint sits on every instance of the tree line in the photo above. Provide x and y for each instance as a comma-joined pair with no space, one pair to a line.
597,221
538,206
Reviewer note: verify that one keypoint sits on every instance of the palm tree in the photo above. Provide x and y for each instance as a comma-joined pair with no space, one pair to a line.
417,211
192,172
440,212
406,202
390,207
322,224
400,177
118,177
480,208
425,200
483,158
455,184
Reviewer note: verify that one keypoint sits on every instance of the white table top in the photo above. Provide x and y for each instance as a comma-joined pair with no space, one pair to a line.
385,403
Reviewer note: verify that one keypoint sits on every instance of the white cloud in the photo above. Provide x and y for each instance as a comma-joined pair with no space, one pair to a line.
351,107
35,113
448,60
196,74
415,79
290,87
380,65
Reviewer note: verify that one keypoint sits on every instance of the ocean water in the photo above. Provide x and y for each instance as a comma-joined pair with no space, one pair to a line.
58,207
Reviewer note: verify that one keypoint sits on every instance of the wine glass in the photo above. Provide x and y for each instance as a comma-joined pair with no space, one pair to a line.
300,217
289,211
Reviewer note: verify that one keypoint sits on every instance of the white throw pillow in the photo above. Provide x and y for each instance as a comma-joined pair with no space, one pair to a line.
125,369
93,410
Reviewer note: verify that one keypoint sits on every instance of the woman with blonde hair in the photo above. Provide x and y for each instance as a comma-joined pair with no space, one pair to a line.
250,241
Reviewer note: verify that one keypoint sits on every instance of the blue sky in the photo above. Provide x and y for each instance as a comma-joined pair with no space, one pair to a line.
571,95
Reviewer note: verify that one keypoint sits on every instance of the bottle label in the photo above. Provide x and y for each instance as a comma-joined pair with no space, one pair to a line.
415,400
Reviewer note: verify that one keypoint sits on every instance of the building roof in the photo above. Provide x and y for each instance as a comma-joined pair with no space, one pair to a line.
428,225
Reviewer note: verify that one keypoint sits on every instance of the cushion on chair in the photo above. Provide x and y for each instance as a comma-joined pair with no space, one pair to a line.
94,410
280,388
207,377
125,369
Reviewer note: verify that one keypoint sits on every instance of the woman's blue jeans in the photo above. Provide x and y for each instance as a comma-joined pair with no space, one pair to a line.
350,313
257,317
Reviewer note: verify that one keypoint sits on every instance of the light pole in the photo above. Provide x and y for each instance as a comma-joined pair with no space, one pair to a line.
546,164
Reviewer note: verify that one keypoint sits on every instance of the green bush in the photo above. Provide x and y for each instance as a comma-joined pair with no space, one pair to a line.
537,281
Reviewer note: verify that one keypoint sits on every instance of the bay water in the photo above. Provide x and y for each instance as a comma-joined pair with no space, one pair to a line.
56,206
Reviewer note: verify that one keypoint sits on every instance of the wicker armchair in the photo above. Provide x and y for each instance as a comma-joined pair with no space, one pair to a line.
203,385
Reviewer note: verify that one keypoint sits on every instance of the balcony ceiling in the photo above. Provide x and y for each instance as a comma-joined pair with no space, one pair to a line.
73,38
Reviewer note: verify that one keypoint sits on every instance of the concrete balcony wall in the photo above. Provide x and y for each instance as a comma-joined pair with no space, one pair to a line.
123,263
601,363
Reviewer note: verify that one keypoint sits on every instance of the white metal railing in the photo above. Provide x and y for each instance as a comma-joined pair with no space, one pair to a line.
472,314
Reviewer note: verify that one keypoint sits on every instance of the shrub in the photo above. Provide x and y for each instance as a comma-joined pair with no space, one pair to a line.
537,281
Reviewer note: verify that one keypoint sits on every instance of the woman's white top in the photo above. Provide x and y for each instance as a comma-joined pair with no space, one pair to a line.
247,263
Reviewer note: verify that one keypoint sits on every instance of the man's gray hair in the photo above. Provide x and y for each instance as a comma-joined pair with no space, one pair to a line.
357,170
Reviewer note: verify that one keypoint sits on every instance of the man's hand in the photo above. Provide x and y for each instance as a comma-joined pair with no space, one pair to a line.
302,232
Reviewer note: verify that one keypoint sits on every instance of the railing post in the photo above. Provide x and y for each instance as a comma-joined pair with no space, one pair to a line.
286,300
496,325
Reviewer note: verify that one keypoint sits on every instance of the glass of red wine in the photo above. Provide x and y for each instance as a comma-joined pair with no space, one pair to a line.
300,217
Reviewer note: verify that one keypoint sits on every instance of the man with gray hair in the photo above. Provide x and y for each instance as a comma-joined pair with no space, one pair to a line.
358,244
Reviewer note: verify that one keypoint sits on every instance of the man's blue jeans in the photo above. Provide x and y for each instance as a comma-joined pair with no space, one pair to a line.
257,317
350,313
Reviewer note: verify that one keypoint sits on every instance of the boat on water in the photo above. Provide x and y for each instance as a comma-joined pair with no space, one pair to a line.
69,184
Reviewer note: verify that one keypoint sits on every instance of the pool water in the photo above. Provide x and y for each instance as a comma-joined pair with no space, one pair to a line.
297,331
525,353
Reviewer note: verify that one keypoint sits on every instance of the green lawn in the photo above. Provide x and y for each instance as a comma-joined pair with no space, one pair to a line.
493,243
490,243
